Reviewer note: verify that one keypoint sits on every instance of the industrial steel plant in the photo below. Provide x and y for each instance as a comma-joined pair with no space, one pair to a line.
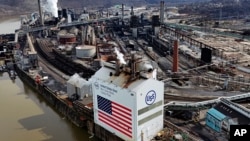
135,73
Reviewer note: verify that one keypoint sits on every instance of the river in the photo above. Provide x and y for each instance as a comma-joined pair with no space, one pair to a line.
25,115
9,26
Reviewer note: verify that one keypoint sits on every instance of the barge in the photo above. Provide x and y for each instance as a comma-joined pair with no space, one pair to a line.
127,83
74,111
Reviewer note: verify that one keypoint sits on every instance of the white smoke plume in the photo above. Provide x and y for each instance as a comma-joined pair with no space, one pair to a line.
50,6
120,56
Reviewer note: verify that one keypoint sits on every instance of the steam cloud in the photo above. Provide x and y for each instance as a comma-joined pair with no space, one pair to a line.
120,56
50,6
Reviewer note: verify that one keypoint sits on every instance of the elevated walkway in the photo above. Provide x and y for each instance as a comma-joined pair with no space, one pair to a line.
242,110
176,105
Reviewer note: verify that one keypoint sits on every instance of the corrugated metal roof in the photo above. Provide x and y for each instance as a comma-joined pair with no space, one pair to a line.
216,114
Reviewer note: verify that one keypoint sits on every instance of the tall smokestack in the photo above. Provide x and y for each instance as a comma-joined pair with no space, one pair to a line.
122,12
132,11
40,12
175,56
108,13
162,10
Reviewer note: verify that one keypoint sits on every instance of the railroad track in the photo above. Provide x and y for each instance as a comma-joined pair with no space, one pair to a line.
191,135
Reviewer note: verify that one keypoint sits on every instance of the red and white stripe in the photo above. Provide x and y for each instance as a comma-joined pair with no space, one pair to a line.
121,119
107,119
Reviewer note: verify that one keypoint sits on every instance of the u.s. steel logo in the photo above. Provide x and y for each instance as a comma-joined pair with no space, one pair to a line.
96,84
150,97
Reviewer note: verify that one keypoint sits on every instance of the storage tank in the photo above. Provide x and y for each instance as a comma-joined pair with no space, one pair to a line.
85,51
66,38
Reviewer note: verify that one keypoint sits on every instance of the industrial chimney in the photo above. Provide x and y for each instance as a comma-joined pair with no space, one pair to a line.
40,12
162,10
122,12
175,56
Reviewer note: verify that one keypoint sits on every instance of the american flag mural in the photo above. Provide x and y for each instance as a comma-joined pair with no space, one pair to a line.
115,115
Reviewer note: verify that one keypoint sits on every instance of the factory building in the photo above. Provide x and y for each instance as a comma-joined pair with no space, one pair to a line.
214,119
128,103
78,88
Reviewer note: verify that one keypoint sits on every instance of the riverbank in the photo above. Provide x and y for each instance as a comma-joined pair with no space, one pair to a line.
25,114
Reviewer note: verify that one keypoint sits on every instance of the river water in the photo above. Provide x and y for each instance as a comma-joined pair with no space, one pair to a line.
9,26
25,115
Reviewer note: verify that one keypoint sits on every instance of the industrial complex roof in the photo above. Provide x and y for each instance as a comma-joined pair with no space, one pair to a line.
123,80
